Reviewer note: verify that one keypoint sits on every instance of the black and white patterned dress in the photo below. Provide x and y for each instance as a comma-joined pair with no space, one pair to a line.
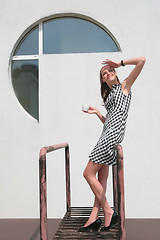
117,106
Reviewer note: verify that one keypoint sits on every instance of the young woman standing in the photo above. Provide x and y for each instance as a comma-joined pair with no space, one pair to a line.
116,98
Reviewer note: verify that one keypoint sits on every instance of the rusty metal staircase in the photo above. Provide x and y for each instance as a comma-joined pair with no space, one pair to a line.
77,216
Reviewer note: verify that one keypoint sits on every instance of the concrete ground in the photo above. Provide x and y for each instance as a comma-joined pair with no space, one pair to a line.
28,229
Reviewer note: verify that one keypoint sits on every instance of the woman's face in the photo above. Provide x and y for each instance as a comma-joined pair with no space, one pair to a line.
109,75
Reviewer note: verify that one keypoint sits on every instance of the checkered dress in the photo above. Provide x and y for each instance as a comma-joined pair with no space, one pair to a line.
117,105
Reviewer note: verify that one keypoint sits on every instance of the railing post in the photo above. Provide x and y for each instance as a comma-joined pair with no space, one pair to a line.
115,191
120,191
68,192
43,195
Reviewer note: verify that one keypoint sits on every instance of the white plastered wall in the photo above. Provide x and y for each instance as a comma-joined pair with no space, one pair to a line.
135,25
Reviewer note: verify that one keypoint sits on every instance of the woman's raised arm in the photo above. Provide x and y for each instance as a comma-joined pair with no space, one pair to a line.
127,83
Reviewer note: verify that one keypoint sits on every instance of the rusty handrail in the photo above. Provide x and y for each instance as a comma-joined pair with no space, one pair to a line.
43,189
118,191
118,188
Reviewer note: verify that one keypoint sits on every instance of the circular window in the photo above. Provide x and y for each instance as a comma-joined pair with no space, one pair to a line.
60,35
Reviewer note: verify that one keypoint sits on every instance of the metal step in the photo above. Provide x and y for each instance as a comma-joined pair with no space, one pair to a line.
76,217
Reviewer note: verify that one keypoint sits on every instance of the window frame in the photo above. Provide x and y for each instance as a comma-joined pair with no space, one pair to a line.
39,24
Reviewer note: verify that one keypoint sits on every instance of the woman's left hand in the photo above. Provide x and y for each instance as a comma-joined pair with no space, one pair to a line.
91,110
110,63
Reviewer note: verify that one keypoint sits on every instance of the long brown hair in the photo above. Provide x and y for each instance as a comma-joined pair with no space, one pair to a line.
105,89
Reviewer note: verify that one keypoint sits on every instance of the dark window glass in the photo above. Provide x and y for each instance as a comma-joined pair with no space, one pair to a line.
29,44
73,35
25,84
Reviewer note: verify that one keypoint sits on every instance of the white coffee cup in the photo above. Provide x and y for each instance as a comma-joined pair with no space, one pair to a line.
85,107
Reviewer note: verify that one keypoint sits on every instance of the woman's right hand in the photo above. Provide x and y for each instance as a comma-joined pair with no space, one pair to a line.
110,63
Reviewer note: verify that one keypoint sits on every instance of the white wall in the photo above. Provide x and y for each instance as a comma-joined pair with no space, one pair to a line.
135,25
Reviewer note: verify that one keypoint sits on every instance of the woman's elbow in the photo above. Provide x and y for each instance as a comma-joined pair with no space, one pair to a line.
143,59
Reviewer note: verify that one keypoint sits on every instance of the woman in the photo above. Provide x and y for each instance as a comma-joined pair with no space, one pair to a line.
116,98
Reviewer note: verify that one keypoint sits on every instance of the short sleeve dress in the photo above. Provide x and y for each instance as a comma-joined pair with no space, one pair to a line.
117,106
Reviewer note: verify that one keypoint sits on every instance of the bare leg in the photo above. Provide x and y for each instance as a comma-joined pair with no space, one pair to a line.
98,190
102,178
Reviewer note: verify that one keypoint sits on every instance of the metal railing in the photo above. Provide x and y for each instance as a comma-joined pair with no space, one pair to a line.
43,185
118,188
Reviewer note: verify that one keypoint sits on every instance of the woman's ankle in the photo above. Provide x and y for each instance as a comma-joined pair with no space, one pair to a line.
95,212
108,211
108,216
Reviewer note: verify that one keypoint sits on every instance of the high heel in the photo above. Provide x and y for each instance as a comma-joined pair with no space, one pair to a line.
114,220
93,226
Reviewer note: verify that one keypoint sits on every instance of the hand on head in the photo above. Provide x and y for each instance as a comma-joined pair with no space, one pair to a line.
110,63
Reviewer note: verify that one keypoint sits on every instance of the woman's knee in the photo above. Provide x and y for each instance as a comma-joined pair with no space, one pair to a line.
86,174
91,170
